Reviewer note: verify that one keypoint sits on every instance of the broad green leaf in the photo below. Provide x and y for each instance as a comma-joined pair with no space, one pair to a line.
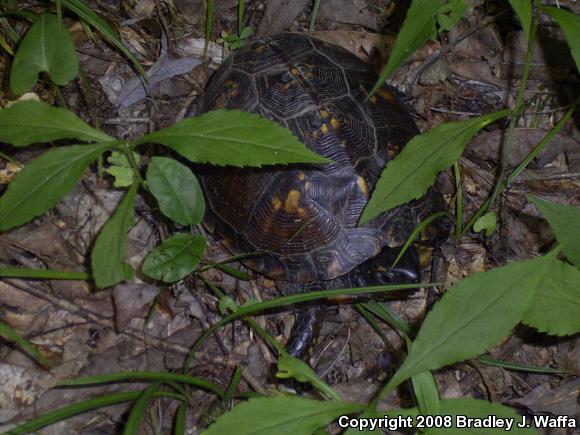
176,189
570,24
564,221
87,14
231,137
44,181
458,411
175,258
523,9
290,367
426,393
556,307
450,13
9,334
417,29
411,173
280,416
28,122
492,301
108,255
486,223
46,47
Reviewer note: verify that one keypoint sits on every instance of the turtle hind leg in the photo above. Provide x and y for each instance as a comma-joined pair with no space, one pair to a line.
308,318
306,327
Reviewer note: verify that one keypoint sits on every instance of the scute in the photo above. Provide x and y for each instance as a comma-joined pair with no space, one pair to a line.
304,217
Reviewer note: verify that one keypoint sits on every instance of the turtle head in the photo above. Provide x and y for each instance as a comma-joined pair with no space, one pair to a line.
379,270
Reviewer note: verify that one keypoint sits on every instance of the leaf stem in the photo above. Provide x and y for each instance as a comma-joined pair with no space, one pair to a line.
519,108
458,201
127,150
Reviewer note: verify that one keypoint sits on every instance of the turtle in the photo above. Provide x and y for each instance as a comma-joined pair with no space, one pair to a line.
303,218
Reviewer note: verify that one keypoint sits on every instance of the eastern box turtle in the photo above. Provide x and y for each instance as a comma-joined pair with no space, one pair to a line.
305,216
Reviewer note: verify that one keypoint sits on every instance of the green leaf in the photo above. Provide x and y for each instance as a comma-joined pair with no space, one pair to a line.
80,407
46,47
229,137
556,307
411,173
121,169
9,334
86,13
450,13
180,425
28,122
523,9
234,272
165,377
118,158
176,189
492,301
564,221
570,24
137,415
486,223
417,29
43,182
246,32
290,367
280,416
123,177
426,393
23,272
175,258
460,410
108,255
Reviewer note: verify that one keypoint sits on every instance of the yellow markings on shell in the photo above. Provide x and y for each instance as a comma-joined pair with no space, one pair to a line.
276,203
381,269
324,114
295,71
301,176
373,100
362,184
292,201
314,134
388,96
324,129
334,123
259,49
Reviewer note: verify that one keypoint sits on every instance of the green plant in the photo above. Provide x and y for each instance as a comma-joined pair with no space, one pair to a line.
47,46
472,316
233,41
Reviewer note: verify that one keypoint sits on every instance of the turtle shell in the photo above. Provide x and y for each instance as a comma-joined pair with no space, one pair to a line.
303,218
